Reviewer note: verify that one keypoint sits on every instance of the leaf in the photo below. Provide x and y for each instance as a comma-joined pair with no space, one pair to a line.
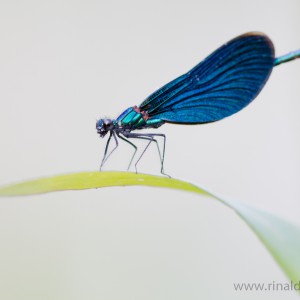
280,237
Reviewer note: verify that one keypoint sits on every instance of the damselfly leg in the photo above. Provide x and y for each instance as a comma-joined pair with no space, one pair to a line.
150,138
105,156
133,145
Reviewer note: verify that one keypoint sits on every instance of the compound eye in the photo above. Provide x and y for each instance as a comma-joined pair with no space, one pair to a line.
99,123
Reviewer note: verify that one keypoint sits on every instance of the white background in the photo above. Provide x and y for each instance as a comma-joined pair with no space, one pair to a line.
64,64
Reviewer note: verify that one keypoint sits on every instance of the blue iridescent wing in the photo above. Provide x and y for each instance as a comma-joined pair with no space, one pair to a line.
221,85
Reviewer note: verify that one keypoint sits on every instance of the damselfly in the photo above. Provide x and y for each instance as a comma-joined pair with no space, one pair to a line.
219,86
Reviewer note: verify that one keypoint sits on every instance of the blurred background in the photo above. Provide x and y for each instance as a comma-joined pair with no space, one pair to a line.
63,65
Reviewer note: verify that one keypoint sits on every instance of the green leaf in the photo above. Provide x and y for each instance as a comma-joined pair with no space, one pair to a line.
280,237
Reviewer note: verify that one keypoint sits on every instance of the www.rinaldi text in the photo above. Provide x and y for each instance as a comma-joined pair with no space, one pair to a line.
271,286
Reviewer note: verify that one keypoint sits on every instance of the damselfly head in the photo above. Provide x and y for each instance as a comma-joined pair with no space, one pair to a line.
103,126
